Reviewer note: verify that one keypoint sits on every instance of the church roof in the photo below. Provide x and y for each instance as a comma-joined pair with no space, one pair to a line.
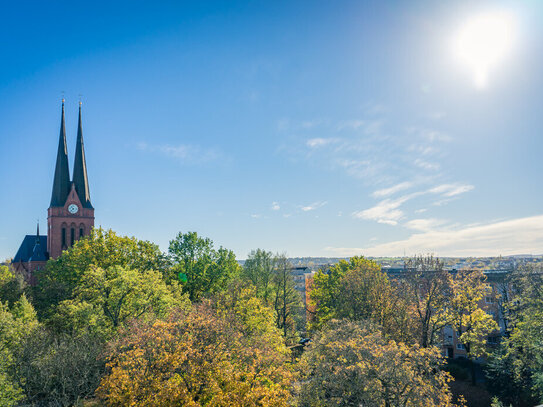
81,181
61,182
33,248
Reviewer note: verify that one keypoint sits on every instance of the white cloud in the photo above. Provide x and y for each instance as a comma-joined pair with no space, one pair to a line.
424,225
313,206
450,190
275,206
386,211
425,165
320,142
392,190
256,215
515,236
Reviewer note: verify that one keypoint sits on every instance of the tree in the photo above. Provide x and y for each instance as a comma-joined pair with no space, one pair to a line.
106,299
352,364
15,326
468,318
427,288
201,268
103,249
327,292
259,269
200,358
286,300
12,285
358,290
58,369
515,369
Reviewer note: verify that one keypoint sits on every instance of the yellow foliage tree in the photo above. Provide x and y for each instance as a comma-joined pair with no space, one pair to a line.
199,358
352,364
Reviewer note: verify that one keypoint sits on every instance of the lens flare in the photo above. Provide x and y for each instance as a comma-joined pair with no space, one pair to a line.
483,42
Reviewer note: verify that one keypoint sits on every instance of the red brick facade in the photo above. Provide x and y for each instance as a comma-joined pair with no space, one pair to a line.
65,228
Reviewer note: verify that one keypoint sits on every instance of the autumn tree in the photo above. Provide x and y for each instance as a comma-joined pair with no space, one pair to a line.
200,358
469,320
352,364
359,290
201,268
426,286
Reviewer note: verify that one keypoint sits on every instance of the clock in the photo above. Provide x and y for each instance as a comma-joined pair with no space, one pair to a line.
73,209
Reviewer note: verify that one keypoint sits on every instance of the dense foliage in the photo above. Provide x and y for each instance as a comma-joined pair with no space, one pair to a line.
352,364
115,320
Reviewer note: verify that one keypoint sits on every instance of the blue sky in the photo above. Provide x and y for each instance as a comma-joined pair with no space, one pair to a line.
314,128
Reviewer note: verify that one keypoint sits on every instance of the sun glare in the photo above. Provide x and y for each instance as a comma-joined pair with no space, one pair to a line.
483,42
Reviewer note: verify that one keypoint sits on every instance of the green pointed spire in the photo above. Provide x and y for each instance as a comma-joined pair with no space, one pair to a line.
61,182
81,181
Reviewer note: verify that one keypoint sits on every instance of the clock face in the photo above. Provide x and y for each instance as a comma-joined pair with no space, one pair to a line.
73,208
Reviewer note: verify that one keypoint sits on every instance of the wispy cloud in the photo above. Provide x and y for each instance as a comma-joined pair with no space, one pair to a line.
381,193
515,236
425,165
425,225
256,216
450,190
386,211
320,142
313,206
275,206
186,153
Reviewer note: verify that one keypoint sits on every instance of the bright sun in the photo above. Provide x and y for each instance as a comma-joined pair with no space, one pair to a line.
483,42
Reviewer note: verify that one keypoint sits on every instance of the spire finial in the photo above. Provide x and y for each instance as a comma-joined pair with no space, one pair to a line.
62,98
38,232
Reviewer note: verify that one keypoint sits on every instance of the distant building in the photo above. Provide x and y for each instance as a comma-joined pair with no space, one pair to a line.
70,213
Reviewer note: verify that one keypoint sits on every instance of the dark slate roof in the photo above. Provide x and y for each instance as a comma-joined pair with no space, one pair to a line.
61,182
32,249
81,181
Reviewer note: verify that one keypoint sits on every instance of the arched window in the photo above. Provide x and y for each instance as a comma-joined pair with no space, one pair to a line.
63,237
72,236
81,231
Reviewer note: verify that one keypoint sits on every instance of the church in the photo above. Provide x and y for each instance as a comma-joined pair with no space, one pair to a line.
70,215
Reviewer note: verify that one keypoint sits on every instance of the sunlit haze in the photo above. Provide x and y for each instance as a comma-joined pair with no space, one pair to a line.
483,42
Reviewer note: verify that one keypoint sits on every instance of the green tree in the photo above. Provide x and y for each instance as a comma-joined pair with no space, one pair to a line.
359,290
15,326
58,369
327,291
12,285
515,369
259,269
352,364
106,299
103,249
287,302
200,267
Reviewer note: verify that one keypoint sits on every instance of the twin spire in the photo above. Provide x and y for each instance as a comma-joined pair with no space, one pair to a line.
61,183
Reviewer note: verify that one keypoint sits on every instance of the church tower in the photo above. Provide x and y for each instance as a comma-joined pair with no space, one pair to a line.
70,215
